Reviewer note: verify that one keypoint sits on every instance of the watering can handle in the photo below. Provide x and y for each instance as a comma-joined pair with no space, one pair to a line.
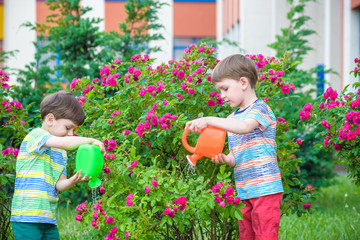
185,143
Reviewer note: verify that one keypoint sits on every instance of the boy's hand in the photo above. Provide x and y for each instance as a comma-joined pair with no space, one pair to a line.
77,178
225,159
65,183
100,144
197,125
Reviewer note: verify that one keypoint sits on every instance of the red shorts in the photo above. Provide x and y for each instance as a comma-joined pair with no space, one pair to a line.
261,218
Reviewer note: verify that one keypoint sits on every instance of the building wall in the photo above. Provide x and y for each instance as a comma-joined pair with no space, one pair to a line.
16,37
335,44
251,24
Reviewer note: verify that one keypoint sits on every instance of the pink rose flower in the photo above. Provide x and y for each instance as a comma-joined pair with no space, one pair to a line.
182,207
237,201
212,94
142,92
337,147
130,196
229,191
351,135
181,200
78,218
154,183
179,96
211,103
230,200
112,143
102,190
133,163
181,75
137,73
357,131
217,199
110,220
147,189
298,141
130,69
167,211
191,91
333,95
307,206
129,203
114,230
309,188
175,71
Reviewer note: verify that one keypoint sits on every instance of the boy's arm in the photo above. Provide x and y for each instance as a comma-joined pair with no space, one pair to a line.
229,124
72,142
65,183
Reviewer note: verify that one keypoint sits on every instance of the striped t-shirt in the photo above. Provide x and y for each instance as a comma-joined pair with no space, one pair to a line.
37,170
256,170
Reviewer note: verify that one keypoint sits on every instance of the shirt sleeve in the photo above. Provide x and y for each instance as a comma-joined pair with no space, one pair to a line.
36,142
261,114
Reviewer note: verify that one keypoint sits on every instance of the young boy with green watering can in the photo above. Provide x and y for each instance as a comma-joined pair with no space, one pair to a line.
40,167
251,134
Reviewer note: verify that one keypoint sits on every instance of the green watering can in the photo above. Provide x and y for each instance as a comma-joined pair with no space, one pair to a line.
90,160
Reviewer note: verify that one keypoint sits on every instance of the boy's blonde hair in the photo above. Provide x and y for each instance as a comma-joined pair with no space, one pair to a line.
64,106
235,67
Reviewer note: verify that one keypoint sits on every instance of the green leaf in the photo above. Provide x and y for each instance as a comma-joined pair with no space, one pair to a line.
238,215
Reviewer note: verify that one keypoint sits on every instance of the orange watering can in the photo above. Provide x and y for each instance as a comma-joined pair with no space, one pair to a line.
210,143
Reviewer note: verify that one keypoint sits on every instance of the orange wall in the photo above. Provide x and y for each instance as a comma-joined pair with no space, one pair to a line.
228,9
355,4
114,14
194,19
42,10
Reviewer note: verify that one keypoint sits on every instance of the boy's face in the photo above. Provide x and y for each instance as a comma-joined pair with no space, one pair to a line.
61,127
232,91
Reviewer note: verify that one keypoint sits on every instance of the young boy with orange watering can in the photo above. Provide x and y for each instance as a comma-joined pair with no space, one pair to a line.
251,134
40,167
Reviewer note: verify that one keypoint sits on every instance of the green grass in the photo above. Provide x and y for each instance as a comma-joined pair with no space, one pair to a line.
69,228
333,216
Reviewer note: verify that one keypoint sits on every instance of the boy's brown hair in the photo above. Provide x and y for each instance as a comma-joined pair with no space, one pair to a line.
64,106
235,67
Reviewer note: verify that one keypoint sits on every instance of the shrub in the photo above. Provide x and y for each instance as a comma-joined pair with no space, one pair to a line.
140,113
339,116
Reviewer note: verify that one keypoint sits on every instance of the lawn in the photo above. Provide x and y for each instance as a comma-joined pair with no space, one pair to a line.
334,215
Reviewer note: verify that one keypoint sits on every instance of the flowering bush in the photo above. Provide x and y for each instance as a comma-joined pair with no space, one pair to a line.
139,112
339,114
13,129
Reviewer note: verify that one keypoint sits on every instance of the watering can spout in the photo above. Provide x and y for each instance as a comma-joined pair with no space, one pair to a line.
94,182
193,158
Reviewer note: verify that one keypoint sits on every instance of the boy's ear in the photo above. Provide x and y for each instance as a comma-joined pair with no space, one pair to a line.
244,82
49,119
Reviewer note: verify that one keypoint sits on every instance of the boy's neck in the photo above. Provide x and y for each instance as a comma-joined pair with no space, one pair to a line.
45,127
249,99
